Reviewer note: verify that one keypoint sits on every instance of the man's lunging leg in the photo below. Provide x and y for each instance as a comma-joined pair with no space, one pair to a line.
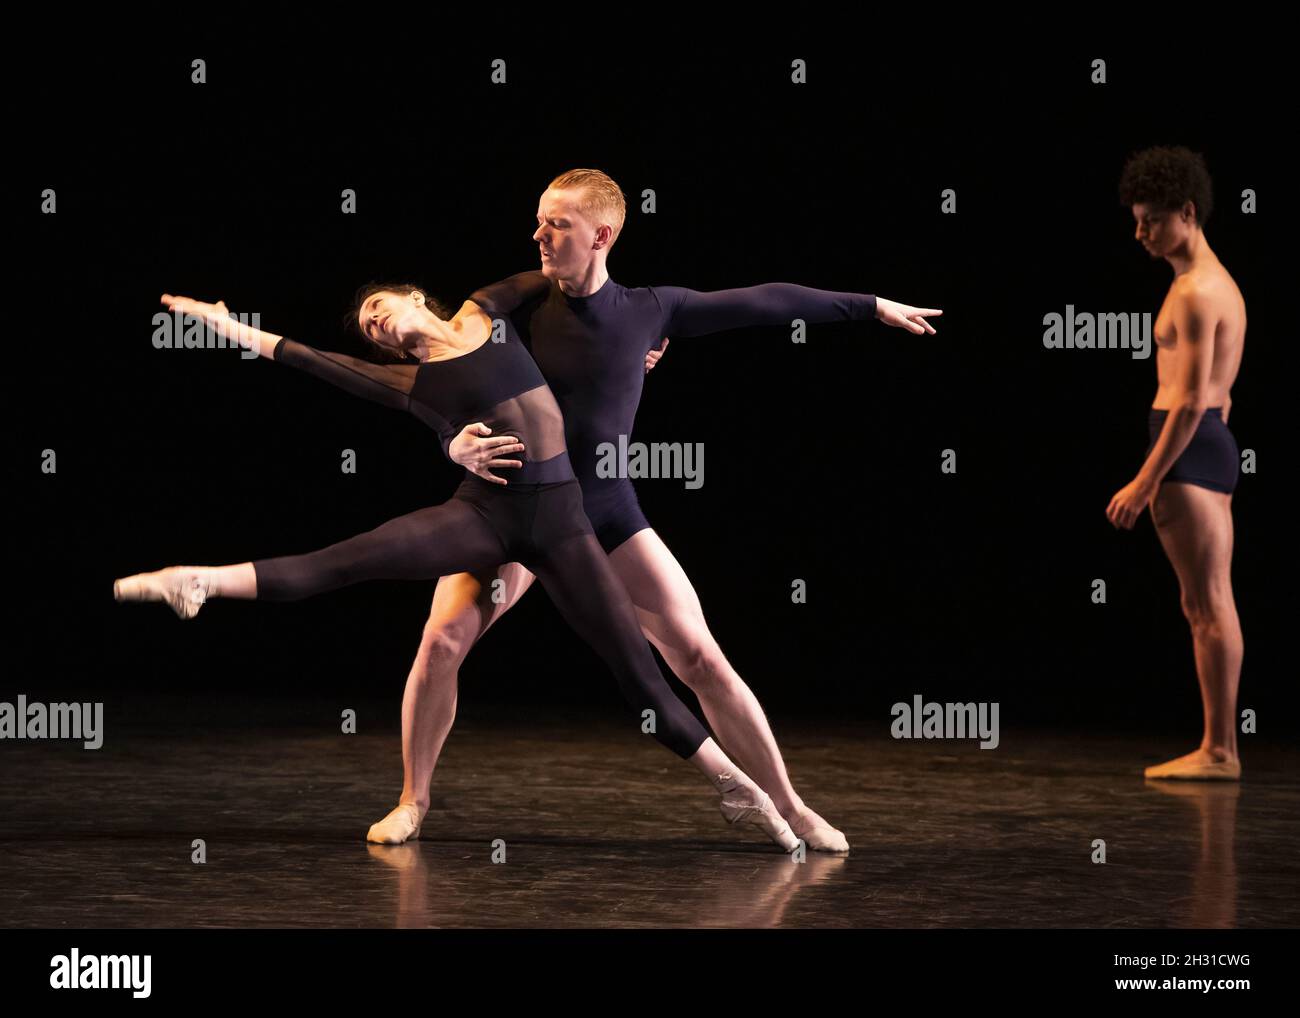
463,610
672,619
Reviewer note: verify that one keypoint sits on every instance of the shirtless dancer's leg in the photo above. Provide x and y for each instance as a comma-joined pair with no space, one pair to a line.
671,618
1195,527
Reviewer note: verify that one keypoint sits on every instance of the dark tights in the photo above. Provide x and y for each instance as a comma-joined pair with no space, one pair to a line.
541,526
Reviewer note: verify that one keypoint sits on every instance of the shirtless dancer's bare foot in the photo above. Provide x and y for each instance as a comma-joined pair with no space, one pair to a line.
1199,765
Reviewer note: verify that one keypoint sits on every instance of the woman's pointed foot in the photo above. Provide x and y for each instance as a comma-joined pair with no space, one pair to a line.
401,825
185,588
745,802
818,835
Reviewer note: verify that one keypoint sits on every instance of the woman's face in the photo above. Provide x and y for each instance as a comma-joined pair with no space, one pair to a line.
385,316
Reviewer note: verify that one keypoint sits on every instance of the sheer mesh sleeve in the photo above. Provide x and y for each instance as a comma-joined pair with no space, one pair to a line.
389,385
507,295
695,313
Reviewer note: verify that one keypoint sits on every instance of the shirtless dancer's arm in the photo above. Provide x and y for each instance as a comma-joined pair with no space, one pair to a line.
1194,325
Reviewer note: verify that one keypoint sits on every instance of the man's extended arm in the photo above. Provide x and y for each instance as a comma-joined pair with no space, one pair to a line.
695,313
505,296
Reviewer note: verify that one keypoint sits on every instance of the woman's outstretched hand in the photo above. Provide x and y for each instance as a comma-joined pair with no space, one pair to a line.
904,316
477,453
217,317
213,314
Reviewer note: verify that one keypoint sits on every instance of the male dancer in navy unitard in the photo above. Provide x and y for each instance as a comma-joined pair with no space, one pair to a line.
594,341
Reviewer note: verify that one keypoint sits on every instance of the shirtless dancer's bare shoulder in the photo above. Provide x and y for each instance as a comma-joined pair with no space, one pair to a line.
1192,461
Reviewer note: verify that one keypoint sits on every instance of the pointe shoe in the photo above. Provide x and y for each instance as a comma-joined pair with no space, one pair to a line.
401,825
184,589
825,838
1218,770
763,815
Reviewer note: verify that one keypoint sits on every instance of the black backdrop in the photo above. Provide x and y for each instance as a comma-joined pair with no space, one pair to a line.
822,460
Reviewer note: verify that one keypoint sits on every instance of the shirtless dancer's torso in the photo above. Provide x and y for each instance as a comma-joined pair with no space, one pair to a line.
1212,282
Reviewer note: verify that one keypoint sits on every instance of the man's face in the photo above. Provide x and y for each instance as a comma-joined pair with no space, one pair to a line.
1160,231
565,237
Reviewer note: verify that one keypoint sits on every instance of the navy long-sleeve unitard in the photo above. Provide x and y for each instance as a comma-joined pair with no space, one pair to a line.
591,351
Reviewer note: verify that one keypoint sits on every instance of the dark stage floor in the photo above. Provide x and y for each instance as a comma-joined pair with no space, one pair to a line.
603,829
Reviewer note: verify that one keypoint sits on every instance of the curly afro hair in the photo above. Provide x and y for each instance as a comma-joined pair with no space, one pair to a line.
1165,177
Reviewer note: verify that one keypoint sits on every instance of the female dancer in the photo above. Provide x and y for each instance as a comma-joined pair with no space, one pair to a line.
468,372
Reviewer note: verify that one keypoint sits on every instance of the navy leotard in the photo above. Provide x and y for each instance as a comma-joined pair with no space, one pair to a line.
592,353
537,520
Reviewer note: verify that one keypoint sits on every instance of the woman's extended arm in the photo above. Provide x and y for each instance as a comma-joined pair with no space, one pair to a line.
387,384
217,317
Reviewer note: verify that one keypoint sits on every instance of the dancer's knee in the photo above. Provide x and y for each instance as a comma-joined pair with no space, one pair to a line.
701,665
1207,610
443,648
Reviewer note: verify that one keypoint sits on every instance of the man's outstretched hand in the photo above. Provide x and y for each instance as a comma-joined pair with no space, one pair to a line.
904,316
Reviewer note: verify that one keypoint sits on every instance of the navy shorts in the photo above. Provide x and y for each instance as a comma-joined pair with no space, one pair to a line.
611,505
1211,459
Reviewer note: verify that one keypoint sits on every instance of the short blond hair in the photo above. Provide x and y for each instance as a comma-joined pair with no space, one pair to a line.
602,200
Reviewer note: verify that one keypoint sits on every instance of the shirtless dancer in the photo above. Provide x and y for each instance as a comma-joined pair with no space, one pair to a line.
1192,463
588,339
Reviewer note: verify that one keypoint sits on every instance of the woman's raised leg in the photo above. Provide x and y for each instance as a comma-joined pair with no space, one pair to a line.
423,545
